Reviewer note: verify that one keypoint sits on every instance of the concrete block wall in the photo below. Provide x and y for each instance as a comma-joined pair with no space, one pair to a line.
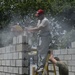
68,56
14,59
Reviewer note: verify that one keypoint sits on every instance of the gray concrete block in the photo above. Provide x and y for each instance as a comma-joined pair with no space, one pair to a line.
14,40
7,49
73,57
1,68
56,52
7,62
18,62
20,55
3,62
13,62
71,51
73,68
71,62
71,73
63,51
21,39
67,57
15,55
5,69
3,50
15,70
23,47
73,44
13,48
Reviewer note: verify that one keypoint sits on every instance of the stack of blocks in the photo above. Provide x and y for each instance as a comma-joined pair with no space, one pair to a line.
14,59
68,56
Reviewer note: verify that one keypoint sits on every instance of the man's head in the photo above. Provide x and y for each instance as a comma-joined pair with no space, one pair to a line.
40,13
57,58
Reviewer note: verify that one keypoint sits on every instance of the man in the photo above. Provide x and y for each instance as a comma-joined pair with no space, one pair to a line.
44,34
63,68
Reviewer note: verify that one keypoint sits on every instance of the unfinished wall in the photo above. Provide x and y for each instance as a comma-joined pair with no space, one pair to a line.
14,59
68,56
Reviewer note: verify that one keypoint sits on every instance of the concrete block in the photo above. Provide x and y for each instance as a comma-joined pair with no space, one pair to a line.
3,73
20,70
71,62
73,57
73,68
5,69
21,39
7,49
13,62
14,40
15,70
70,68
8,74
20,55
73,44
3,50
71,73
3,62
56,52
15,55
67,57
5,56
63,51
1,68
10,69
13,48
18,62
22,47
7,62
71,51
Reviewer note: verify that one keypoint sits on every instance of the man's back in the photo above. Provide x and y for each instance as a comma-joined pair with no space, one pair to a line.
63,68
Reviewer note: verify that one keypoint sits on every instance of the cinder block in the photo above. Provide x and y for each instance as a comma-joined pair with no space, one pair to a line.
7,62
3,50
56,52
20,55
21,39
18,62
15,70
71,73
67,57
71,62
71,51
73,68
14,40
73,44
13,48
7,49
5,69
3,62
22,47
73,57
63,51
10,69
13,62
8,74
1,68
20,70
15,55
